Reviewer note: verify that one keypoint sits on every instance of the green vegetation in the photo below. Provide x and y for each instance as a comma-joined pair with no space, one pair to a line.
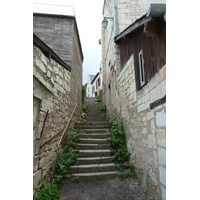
131,171
76,179
47,190
118,142
102,107
82,118
84,88
98,97
66,155
65,158
84,107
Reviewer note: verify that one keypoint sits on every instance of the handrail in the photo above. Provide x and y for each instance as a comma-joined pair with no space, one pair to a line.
59,131
67,124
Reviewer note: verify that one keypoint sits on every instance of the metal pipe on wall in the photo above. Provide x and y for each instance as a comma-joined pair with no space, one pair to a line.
116,18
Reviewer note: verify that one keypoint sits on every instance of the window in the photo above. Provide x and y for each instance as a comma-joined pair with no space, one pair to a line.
141,68
99,82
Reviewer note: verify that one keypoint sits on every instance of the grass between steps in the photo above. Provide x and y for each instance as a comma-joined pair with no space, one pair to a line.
66,157
118,142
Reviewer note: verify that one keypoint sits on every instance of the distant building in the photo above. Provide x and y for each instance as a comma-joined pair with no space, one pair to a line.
97,83
89,92
94,83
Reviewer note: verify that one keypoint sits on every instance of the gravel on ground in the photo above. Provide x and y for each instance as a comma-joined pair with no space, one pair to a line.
110,189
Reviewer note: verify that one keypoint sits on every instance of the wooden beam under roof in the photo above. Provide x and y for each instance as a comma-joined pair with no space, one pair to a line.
134,26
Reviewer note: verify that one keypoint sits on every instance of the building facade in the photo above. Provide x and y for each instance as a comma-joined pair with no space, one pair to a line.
134,84
94,83
60,33
89,91
51,107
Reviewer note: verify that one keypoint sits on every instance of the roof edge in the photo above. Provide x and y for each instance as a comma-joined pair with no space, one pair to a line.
95,78
132,27
46,49
64,16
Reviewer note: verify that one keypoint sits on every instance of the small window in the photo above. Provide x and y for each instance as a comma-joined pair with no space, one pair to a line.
141,69
99,82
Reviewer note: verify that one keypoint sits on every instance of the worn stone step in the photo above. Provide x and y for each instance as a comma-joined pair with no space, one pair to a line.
93,146
94,160
95,135
94,130
94,153
96,118
94,175
91,126
95,112
93,141
92,168
89,123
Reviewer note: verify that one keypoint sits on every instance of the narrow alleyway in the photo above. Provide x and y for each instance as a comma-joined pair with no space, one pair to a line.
96,172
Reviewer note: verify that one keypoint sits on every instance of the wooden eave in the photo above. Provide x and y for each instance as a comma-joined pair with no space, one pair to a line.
49,52
133,27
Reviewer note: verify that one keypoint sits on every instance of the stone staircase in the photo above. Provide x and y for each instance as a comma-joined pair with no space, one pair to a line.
95,155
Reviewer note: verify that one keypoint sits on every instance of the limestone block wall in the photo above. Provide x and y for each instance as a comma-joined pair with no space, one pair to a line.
60,33
130,10
145,128
51,111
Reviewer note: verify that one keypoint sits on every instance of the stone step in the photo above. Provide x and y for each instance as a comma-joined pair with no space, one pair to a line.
89,123
94,175
93,141
92,168
94,131
93,146
94,153
95,112
94,160
91,126
95,135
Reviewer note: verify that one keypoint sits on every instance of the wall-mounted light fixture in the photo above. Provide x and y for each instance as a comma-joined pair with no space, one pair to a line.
105,22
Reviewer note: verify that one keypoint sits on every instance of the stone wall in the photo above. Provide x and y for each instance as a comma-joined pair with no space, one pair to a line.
60,33
145,127
131,10
51,111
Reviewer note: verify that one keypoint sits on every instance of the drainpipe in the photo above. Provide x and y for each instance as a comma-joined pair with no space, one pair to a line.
116,17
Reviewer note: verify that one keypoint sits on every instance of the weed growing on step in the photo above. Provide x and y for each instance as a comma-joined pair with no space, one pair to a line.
82,118
118,142
102,108
66,155
129,171
65,158
76,179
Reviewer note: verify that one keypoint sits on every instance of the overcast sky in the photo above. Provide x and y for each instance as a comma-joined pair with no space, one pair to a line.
89,17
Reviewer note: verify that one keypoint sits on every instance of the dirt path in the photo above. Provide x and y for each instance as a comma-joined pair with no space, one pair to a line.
111,189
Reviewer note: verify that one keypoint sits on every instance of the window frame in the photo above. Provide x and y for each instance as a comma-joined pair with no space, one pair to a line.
141,68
